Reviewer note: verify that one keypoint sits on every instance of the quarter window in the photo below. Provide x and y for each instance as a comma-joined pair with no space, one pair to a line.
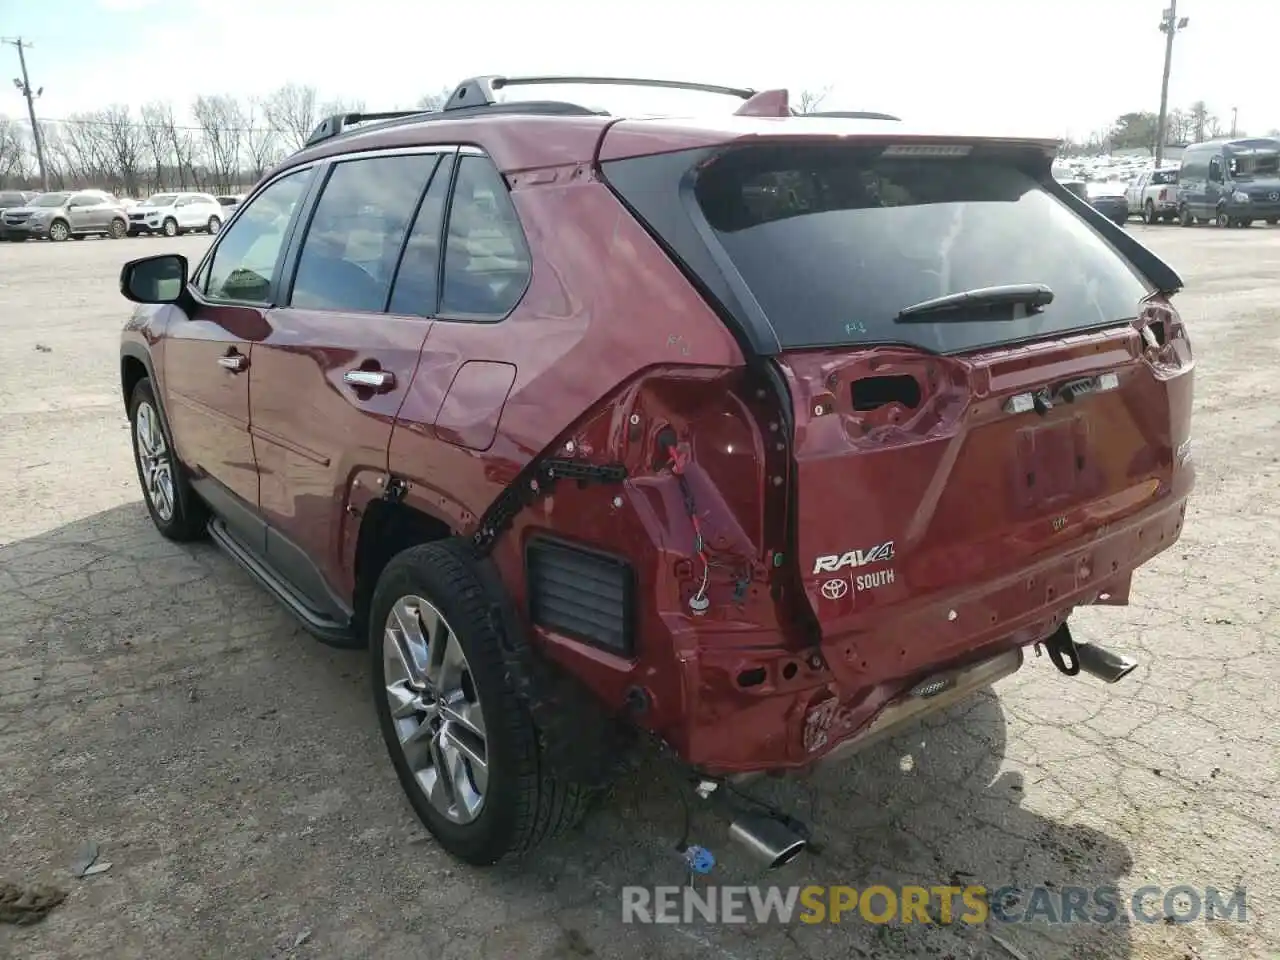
486,260
244,262
350,252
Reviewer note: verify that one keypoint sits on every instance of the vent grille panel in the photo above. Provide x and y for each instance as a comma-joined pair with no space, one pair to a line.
582,594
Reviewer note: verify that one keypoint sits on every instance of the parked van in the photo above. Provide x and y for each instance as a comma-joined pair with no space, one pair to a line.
1230,182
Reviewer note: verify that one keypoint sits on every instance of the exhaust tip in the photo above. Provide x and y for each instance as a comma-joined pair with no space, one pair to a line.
1103,664
767,840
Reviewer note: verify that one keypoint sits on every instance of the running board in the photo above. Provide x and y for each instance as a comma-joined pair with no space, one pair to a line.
324,629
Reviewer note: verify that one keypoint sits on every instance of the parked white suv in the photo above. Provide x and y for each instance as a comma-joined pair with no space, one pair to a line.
175,213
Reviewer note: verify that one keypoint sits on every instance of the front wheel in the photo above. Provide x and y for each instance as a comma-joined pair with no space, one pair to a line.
59,230
463,744
175,508
214,225
1149,214
170,227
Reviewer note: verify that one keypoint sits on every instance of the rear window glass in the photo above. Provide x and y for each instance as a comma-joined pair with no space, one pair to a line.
1164,176
833,241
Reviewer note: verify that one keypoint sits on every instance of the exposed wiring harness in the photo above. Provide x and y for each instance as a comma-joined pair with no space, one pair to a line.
677,460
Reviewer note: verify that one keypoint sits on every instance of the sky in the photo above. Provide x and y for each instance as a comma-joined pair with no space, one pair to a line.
1021,66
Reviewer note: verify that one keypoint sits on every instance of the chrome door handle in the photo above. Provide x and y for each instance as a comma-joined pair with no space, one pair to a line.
234,362
370,379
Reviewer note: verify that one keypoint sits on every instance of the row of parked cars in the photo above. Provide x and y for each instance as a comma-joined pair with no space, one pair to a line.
76,214
1230,183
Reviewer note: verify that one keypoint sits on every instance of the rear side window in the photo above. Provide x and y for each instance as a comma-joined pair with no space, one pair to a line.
349,255
416,288
833,242
486,261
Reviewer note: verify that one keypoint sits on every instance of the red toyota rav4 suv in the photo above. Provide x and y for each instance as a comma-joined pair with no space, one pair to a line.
760,434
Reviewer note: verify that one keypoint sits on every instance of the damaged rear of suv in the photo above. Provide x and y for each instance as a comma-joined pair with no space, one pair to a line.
760,434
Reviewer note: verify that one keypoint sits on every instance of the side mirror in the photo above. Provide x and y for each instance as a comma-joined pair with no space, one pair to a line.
158,279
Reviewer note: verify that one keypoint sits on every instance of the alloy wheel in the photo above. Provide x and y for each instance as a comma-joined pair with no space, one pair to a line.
435,709
153,457
59,232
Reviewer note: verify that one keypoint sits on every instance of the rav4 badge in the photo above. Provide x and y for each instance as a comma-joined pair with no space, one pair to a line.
854,558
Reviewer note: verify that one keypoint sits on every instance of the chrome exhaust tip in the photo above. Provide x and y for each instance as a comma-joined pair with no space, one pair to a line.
1072,658
767,840
1102,663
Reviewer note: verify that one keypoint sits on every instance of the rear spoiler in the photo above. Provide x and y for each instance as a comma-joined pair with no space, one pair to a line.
1162,276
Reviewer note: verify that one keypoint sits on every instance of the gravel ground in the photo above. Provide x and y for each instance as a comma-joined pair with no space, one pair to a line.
155,701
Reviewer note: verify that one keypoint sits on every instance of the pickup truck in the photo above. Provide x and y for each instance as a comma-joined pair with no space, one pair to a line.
1153,195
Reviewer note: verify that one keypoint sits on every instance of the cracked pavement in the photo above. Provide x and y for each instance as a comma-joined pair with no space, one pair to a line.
155,700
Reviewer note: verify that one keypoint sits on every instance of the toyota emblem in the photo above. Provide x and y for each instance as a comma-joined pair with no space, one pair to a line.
835,589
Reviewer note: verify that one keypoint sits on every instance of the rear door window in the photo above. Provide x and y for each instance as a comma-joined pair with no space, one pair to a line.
353,242
833,242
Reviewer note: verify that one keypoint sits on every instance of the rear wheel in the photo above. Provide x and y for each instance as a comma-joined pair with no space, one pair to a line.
1272,221
118,229
1149,213
214,225
1223,221
1184,216
463,744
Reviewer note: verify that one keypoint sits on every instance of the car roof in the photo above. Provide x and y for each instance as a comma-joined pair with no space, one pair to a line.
525,135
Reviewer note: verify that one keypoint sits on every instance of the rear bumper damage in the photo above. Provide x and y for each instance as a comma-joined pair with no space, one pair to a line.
752,710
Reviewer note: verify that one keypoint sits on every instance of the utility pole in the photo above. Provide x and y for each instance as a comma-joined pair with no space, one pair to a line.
1170,24
24,87
1234,113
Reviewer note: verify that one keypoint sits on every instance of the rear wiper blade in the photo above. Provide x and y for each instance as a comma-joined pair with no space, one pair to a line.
1033,296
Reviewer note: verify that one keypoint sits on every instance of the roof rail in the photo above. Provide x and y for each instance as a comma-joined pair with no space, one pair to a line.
479,91
852,115
335,124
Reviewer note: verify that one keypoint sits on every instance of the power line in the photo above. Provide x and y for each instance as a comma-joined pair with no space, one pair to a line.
24,87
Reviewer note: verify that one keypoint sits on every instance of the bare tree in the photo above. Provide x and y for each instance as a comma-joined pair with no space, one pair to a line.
156,119
435,101
14,158
1198,116
222,125
809,100
292,111
338,105
261,140
124,148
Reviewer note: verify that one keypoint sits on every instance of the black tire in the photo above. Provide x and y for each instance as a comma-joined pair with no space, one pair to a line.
213,226
1272,221
1222,221
523,804
170,227
1184,216
190,516
59,231
118,229
1245,222
1149,214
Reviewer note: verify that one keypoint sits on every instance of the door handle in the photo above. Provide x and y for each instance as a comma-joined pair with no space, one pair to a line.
235,362
380,380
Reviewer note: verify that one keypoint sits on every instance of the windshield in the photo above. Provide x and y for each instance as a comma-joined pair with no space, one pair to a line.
159,200
834,241
50,200
1255,165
